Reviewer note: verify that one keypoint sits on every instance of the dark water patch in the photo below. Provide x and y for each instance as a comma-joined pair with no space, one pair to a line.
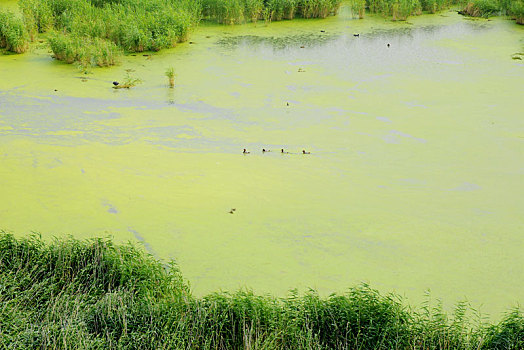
139,237
276,43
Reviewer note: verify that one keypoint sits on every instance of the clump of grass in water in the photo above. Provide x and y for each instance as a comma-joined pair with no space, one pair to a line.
131,25
482,8
170,74
13,33
84,51
128,82
96,294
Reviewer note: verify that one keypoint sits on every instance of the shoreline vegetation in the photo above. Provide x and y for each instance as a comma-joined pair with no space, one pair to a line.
95,294
99,32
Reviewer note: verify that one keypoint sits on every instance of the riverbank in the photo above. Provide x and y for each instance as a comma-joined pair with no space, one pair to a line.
94,293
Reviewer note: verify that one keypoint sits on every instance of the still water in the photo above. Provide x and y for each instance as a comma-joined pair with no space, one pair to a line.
414,181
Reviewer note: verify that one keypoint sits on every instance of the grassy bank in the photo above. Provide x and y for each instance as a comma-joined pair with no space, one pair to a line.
13,33
96,294
97,32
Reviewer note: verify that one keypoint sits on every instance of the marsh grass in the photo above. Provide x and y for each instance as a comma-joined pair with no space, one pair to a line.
13,33
241,11
358,8
516,10
128,82
482,8
110,27
170,74
96,294
85,51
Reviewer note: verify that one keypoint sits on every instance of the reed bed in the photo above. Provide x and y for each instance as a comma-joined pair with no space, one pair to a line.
241,11
97,294
109,27
487,8
13,34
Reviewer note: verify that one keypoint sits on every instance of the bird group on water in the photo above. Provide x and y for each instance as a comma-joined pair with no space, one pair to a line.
282,151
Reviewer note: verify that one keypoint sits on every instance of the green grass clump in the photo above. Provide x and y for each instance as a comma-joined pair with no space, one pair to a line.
13,33
282,9
318,8
482,8
402,9
85,51
241,11
131,25
96,294
516,10
358,8
170,74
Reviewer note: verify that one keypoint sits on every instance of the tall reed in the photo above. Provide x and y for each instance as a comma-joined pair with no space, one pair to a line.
13,33
95,294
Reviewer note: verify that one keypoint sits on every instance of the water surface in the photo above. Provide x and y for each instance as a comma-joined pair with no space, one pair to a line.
414,181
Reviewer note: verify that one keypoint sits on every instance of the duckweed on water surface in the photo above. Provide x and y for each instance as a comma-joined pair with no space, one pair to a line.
97,294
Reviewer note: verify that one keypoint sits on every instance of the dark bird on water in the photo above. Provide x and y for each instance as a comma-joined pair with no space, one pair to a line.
265,150
304,152
287,103
245,152
115,83
282,151
356,34
388,45
232,211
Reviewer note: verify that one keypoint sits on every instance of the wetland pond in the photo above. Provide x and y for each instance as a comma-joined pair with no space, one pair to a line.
414,181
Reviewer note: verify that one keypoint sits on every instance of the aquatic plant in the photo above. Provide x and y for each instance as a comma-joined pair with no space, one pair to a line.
358,8
132,25
67,293
516,10
482,8
282,9
170,74
239,11
128,82
38,16
85,51
318,8
13,33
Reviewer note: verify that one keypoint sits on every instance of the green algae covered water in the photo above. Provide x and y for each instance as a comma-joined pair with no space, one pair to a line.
414,181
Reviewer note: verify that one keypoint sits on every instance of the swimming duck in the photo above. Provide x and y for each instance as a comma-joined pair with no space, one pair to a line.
245,152
282,151
115,83
265,150
304,152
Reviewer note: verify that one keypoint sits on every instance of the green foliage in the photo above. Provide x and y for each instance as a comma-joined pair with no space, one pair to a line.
239,11
402,9
433,6
508,334
95,294
482,8
13,33
37,14
318,8
516,10
282,9
132,25
170,74
358,8
85,51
